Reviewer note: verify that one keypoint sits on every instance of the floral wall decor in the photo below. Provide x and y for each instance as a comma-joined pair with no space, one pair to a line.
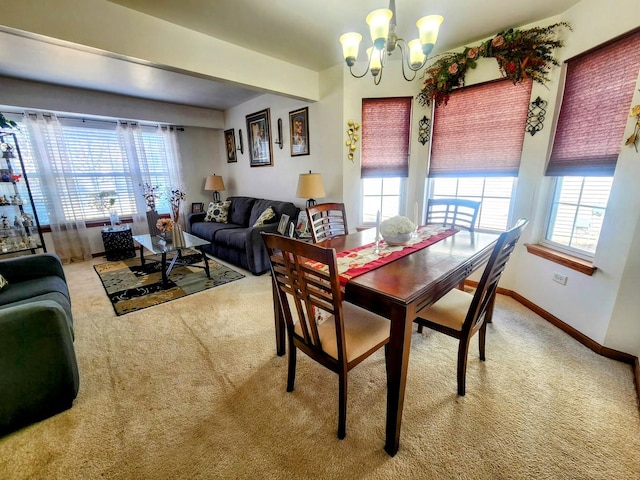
633,139
521,54
352,132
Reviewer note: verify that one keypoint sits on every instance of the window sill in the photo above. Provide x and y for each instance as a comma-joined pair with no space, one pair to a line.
569,261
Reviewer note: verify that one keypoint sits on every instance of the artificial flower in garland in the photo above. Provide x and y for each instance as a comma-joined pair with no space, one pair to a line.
521,54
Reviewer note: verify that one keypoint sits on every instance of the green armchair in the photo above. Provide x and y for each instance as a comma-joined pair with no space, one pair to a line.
38,368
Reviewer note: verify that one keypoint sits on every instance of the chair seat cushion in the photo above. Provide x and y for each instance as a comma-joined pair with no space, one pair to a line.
363,330
450,310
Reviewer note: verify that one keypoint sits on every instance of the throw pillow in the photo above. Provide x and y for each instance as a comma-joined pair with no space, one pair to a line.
3,282
264,217
218,212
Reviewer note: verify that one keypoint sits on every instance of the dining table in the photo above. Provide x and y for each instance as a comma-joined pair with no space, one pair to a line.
397,290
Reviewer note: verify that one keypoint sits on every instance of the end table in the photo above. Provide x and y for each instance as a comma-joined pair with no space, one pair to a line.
118,243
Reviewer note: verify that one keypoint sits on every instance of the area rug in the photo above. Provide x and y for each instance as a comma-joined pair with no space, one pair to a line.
131,287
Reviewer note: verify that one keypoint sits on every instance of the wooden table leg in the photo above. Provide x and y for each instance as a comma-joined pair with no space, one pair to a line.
397,366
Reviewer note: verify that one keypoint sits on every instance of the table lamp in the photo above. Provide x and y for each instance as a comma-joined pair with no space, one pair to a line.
310,186
214,182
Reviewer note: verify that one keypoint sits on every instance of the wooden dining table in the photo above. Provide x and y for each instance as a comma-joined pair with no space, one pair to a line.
397,291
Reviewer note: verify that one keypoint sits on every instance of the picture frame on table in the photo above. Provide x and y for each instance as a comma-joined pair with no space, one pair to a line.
197,207
260,148
284,222
230,142
302,226
299,132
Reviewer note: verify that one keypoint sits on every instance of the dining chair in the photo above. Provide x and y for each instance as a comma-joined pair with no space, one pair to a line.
336,334
461,314
454,212
327,220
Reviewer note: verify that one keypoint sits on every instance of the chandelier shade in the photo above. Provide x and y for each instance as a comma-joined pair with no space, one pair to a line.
382,27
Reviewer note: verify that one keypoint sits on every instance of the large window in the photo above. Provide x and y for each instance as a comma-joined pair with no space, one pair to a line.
586,147
494,193
386,128
86,157
577,211
477,145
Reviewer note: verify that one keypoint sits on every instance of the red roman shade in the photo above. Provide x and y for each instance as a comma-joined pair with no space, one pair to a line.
480,131
386,126
595,109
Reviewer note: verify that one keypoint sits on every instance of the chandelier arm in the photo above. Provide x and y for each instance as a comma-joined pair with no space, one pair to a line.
358,76
404,60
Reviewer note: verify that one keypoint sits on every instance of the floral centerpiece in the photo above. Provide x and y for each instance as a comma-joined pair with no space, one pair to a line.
521,54
397,230
164,225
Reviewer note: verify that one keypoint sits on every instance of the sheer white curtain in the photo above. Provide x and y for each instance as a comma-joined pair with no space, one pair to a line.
136,157
70,240
174,163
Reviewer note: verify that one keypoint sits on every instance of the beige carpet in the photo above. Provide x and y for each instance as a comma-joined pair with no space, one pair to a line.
192,389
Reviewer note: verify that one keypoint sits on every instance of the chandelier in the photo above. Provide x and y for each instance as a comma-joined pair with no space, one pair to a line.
382,26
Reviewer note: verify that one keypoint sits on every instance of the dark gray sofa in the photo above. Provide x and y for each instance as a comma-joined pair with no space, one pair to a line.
237,241
38,368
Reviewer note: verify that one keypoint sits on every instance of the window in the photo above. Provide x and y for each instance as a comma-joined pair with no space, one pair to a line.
386,128
577,211
382,195
95,156
475,157
493,192
586,147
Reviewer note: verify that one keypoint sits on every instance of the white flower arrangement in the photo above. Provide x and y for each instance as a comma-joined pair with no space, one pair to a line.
397,225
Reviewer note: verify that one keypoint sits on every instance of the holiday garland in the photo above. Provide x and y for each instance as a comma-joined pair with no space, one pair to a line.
520,54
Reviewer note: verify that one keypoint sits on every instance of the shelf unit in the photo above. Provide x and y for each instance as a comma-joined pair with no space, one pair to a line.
20,230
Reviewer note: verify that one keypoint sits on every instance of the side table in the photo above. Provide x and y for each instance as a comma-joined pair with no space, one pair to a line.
118,243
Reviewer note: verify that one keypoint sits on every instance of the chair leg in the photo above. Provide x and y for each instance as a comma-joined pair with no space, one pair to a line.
291,376
488,315
482,335
463,353
342,405
420,328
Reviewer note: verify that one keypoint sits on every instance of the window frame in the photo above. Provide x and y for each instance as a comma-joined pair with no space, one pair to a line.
566,249
514,185
401,197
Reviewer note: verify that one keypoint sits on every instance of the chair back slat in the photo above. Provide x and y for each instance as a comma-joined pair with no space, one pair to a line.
308,288
488,285
327,220
453,212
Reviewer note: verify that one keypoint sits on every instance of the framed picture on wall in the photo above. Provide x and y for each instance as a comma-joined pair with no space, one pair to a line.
230,142
299,131
259,128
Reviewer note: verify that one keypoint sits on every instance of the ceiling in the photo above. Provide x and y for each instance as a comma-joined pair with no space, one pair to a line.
300,32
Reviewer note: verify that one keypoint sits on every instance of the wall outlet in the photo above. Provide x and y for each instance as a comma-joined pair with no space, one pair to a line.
559,278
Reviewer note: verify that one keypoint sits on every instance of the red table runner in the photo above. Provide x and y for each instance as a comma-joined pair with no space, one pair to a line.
363,259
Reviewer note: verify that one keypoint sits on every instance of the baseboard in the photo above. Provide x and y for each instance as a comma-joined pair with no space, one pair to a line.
575,334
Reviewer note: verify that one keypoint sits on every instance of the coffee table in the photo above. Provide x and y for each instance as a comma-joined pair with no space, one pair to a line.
157,247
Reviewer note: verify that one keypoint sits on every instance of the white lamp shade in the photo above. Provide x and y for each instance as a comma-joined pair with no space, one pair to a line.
416,56
378,22
310,186
375,62
215,183
428,30
350,45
